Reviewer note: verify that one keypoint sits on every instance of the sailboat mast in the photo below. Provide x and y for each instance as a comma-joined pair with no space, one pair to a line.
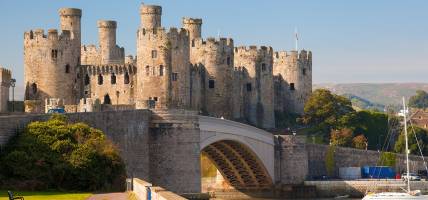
407,146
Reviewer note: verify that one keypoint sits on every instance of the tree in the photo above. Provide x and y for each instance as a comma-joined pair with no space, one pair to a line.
324,110
359,142
373,125
60,155
342,137
422,136
420,100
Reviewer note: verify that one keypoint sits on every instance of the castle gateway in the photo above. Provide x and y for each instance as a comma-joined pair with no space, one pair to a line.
173,69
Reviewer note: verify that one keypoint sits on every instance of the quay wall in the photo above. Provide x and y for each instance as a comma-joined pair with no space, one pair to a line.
141,189
349,157
359,188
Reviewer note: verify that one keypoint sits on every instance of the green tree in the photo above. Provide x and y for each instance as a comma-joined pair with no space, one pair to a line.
422,136
420,100
342,137
61,155
373,125
359,142
387,159
325,110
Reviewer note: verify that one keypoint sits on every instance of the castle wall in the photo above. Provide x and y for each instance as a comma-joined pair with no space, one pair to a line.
259,94
216,58
293,74
116,87
5,77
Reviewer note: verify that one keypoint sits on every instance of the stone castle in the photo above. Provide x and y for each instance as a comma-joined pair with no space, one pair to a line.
172,69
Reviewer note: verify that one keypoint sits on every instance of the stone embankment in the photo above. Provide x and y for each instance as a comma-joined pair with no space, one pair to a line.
144,191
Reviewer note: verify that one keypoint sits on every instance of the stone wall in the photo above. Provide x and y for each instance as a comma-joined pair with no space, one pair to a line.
142,189
5,76
127,129
291,160
175,152
348,157
359,188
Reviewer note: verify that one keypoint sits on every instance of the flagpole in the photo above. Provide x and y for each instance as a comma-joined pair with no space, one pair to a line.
296,39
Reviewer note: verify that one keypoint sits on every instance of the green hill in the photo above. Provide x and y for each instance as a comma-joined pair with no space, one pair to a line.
376,93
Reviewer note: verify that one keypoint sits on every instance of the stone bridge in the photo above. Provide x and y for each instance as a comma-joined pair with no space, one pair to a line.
164,147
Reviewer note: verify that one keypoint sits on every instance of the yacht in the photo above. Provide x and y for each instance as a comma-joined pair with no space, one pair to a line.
407,194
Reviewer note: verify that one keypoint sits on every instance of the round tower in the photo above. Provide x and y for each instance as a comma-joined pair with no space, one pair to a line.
107,40
70,20
150,16
194,26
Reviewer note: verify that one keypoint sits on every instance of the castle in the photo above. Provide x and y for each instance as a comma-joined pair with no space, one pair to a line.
173,69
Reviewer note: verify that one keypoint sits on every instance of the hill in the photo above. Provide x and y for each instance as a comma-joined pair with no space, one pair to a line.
376,93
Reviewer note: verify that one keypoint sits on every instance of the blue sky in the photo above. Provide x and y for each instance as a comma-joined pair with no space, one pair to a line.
352,41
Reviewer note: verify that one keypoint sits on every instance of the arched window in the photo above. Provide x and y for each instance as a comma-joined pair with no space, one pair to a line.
161,70
147,70
34,88
67,68
87,79
126,78
193,43
107,99
263,67
113,79
100,79
228,60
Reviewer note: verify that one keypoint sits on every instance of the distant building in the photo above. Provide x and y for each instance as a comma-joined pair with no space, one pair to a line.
420,118
174,69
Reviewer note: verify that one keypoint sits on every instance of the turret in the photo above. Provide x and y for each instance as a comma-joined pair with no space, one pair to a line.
107,40
194,26
70,20
150,16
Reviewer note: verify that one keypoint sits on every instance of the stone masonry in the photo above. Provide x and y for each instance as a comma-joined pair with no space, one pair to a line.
5,77
174,68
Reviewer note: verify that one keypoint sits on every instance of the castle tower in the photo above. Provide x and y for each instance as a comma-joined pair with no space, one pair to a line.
5,77
52,62
70,20
258,86
214,59
150,16
194,26
163,75
293,74
110,53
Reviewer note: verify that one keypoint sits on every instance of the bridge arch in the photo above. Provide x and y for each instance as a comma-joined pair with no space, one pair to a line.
243,154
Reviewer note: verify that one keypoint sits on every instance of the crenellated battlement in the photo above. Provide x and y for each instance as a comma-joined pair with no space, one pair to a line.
70,12
292,56
150,9
106,24
162,32
211,42
5,75
254,50
109,69
189,20
39,37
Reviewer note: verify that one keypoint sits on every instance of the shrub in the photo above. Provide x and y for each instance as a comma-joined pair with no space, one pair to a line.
63,155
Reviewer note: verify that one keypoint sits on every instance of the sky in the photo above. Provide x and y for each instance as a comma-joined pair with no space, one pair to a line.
371,41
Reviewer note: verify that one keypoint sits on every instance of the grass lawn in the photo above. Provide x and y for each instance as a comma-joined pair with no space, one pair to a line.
36,195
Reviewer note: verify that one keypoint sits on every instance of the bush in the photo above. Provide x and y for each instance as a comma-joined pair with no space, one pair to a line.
61,155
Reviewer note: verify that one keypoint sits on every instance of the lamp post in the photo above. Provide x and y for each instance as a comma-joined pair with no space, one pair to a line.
12,84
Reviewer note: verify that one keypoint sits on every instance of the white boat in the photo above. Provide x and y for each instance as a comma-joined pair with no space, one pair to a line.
408,194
